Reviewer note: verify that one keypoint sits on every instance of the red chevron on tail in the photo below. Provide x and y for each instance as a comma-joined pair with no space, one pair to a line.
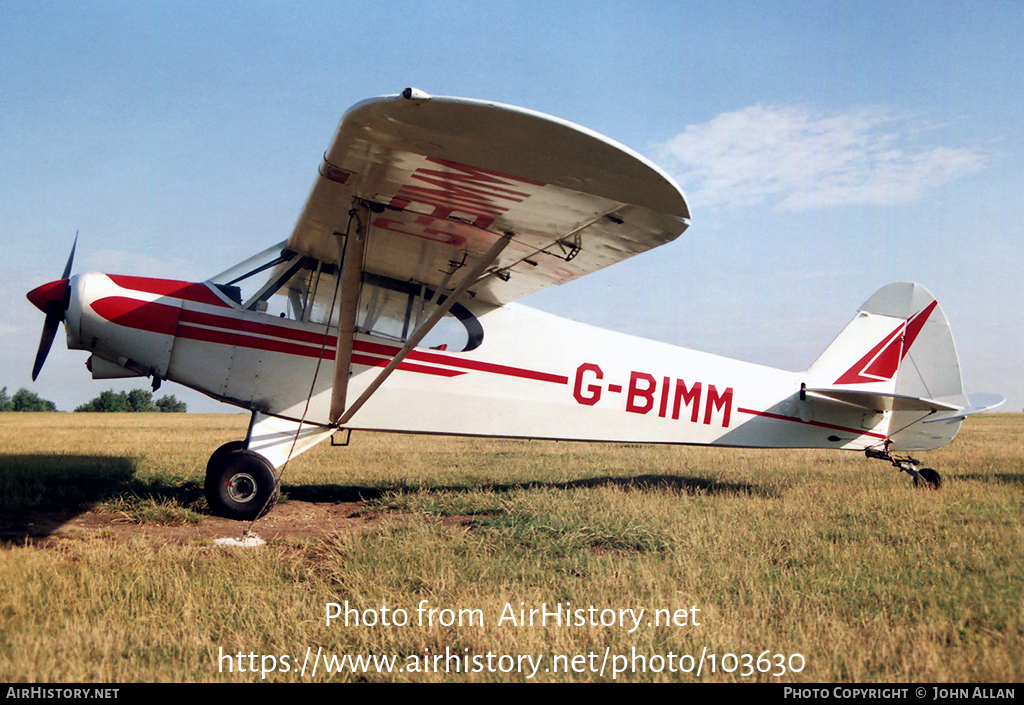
882,361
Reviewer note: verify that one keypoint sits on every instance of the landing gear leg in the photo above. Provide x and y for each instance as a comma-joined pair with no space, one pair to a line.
923,477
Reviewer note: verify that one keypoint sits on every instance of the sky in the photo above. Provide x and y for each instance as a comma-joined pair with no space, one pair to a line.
826,150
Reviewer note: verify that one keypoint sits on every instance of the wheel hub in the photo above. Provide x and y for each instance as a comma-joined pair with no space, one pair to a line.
242,487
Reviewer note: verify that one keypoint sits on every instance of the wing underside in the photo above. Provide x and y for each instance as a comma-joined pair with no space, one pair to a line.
445,178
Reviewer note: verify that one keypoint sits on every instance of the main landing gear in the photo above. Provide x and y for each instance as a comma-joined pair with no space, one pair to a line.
240,484
925,477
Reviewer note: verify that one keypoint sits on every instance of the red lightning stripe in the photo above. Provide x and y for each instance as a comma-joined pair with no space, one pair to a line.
188,291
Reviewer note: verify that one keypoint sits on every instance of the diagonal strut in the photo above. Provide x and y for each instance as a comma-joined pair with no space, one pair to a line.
350,259
469,280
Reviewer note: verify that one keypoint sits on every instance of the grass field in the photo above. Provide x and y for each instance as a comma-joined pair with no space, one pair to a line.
775,553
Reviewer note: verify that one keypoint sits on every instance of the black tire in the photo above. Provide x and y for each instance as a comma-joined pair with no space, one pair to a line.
240,484
215,459
932,479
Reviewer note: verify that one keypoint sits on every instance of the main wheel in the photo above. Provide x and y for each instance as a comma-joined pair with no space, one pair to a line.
932,479
240,484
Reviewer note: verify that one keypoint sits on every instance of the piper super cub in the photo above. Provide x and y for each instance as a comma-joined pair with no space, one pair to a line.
390,307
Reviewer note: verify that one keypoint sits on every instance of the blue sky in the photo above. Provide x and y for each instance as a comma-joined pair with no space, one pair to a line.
827,149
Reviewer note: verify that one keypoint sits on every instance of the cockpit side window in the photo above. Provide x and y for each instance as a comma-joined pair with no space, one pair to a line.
393,309
284,284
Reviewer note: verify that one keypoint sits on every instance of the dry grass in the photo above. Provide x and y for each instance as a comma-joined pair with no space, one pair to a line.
823,554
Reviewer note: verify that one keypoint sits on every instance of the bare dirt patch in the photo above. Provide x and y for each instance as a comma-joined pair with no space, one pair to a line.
293,519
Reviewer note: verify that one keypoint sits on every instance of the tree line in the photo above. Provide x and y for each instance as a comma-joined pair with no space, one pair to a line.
108,401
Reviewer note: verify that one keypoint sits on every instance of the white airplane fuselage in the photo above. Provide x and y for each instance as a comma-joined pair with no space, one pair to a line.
533,375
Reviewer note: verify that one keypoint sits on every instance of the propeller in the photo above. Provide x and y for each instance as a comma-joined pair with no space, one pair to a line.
52,299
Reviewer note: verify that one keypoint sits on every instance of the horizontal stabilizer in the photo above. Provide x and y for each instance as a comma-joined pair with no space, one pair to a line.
981,401
881,401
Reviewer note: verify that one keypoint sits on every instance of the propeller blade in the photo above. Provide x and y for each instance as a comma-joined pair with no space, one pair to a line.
71,258
53,299
54,316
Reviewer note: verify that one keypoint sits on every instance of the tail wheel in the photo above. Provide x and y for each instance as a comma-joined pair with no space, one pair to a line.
927,476
240,484
930,477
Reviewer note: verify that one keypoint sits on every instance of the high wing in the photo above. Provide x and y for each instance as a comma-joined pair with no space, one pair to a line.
445,178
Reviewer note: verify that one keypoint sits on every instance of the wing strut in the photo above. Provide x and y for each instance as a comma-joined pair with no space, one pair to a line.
473,277
350,254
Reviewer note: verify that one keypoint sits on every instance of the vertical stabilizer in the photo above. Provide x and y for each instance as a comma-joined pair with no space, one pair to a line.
929,367
899,345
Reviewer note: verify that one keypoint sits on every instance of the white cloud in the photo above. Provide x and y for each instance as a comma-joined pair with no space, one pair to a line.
795,159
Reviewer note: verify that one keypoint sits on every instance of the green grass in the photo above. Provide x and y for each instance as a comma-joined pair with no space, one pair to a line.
824,554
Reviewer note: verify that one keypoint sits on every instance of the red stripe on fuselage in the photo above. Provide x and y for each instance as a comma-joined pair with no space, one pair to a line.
280,346
477,365
141,315
241,325
230,330
222,337
315,338
408,366
188,291
780,417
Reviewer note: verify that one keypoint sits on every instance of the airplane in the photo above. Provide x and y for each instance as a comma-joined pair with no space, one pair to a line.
392,307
